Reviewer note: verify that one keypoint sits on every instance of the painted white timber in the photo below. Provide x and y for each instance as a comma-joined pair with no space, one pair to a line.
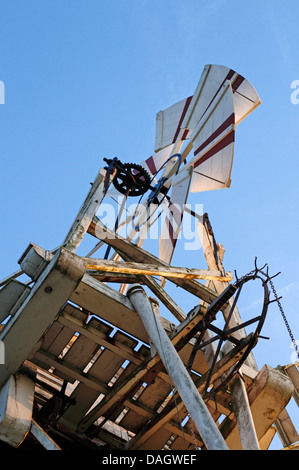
11,295
129,251
140,441
286,429
43,438
34,260
243,415
110,305
50,292
268,395
16,404
86,213
180,377
212,252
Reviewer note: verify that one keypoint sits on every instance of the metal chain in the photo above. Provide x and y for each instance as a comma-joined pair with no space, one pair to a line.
284,317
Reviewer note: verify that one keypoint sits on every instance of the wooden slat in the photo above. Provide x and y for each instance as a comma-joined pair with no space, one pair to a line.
172,409
213,253
138,375
286,429
58,336
157,440
104,369
101,337
128,252
155,270
110,305
88,209
50,292
270,392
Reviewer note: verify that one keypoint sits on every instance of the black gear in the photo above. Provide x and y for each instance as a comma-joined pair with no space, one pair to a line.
131,177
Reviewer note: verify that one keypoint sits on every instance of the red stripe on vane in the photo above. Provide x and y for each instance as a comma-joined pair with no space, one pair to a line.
151,165
227,140
230,120
188,100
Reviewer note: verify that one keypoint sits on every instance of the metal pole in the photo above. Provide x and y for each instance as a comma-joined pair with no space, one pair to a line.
180,377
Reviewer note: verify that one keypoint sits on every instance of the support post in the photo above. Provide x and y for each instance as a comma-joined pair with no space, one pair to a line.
178,374
243,415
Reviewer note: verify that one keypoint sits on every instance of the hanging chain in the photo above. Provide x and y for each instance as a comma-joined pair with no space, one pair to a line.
284,317
190,426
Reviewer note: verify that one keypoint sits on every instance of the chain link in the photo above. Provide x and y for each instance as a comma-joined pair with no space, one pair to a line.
284,317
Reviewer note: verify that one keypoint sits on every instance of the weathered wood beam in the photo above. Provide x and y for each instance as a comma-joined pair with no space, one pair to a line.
214,253
138,375
113,277
155,270
162,295
16,406
109,304
178,374
43,438
50,292
45,359
268,395
87,211
176,405
99,337
243,415
128,251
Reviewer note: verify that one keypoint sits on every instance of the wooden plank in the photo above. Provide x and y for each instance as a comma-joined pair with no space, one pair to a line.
174,407
16,405
110,305
43,438
138,375
213,253
268,395
50,292
58,336
88,209
286,429
243,415
162,295
81,352
293,372
157,440
129,251
101,338
69,370
11,296
104,369
114,277
155,270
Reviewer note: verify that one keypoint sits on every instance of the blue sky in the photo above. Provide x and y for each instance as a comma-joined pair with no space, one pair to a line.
84,80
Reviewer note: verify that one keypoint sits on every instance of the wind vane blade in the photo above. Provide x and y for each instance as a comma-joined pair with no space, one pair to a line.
209,86
156,161
213,144
173,220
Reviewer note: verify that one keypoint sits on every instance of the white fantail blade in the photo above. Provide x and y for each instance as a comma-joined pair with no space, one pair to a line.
179,120
154,163
176,123
209,86
174,215
168,123
213,144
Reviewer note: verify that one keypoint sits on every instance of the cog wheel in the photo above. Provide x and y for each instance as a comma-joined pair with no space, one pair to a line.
131,178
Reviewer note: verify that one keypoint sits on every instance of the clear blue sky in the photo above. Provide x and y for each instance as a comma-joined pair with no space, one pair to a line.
84,80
